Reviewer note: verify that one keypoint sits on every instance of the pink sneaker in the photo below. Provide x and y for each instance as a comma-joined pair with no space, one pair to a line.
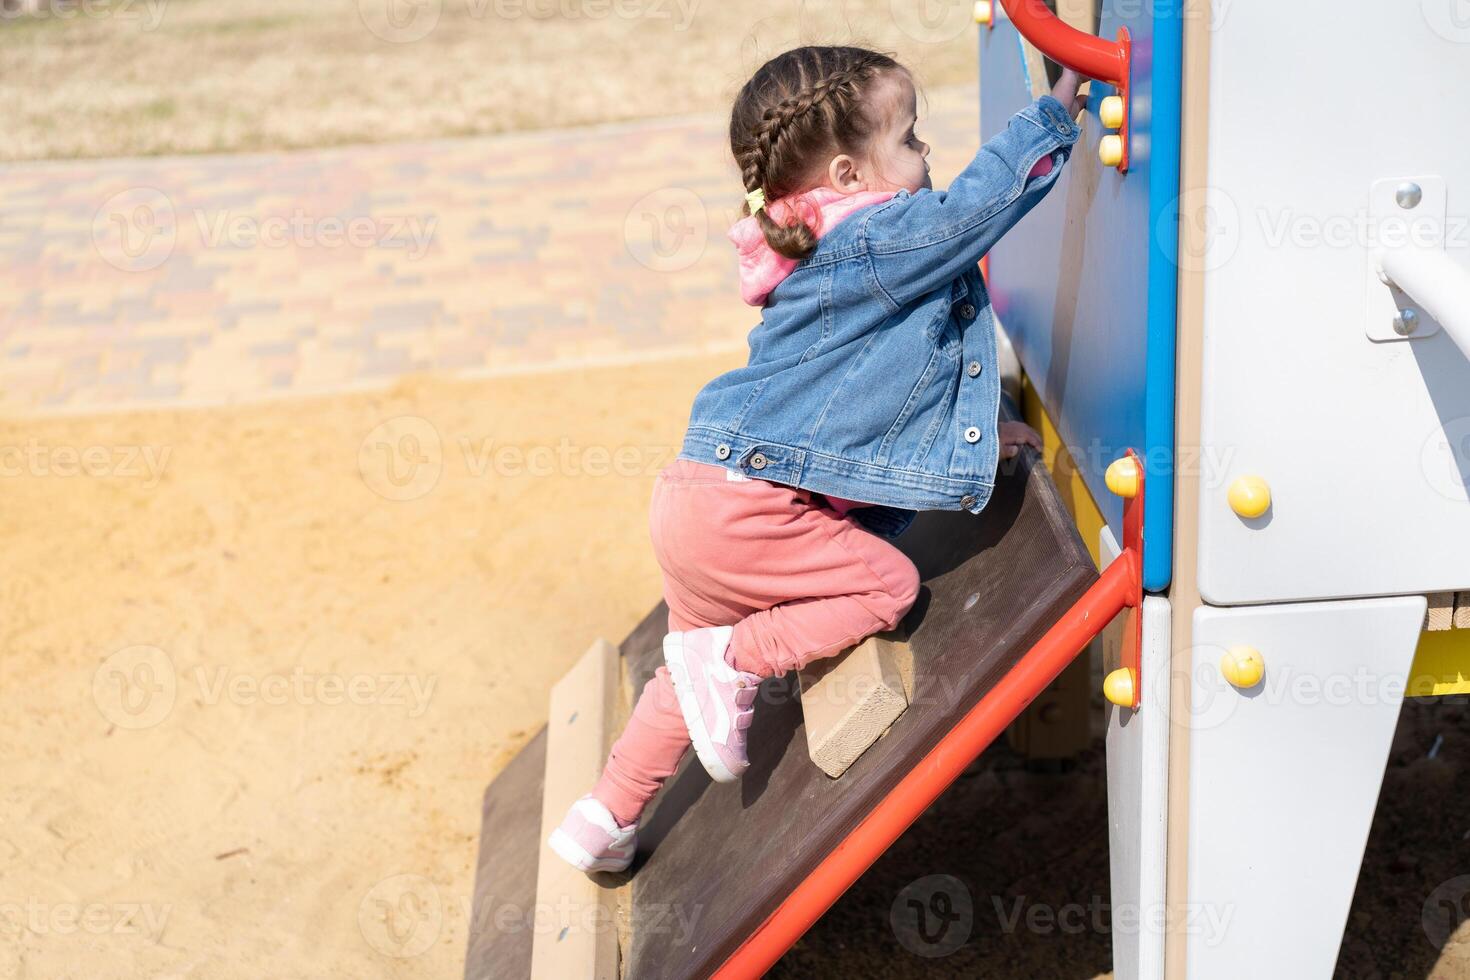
716,699
589,839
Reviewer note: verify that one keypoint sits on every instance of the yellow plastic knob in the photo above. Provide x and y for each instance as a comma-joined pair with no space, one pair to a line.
1118,687
1249,496
1110,111
1243,666
1110,150
984,12
1123,477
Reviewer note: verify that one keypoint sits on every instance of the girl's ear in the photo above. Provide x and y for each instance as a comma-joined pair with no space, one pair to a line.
843,174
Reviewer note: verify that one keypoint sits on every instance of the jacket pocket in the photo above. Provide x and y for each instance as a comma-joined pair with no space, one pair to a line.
917,397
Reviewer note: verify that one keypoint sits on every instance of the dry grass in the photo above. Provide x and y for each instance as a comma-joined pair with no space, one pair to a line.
96,78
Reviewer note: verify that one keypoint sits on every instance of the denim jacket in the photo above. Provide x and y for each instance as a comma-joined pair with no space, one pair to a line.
872,375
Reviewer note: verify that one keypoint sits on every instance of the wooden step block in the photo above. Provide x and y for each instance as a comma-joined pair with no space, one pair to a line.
1441,612
1462,611
849,700
576,929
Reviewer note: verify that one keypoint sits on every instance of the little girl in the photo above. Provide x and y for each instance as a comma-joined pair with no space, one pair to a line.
871,393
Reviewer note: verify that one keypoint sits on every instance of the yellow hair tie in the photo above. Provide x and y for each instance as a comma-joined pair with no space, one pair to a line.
756,200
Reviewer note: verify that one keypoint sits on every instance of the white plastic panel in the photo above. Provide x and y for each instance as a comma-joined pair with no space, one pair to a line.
1365,445
1284,778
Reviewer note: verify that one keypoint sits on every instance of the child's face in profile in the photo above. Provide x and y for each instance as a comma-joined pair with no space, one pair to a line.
895,157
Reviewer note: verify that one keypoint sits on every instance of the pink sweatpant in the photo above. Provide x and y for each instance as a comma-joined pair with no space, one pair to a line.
797,581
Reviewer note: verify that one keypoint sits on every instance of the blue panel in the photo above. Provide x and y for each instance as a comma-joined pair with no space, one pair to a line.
1085,284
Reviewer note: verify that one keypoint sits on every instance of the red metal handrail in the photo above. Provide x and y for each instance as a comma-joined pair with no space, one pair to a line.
1082,52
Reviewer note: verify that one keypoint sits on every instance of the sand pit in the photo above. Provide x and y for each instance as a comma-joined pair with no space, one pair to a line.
265,660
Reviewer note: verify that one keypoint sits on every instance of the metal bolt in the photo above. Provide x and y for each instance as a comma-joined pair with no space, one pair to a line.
1405,323
1408,194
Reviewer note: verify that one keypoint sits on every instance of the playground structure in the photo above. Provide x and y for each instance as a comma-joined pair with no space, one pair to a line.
1257,427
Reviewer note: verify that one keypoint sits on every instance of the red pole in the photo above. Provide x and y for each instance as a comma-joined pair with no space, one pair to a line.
1115,589
1078,50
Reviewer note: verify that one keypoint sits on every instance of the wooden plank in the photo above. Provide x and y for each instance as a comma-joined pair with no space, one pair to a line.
1462,611
1441,612
576,920
505,874
849,701
715,859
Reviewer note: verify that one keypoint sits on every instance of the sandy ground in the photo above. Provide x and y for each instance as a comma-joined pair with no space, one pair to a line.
82,79
265,660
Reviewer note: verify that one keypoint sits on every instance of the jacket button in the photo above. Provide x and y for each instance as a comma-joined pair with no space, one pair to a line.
968,311
757,462
974,369
722,451
967,501
972,434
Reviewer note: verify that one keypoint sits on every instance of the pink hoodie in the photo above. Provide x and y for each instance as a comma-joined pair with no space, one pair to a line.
761,267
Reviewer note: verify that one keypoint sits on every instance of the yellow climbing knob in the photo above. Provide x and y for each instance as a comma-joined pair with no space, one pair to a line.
1118,687
1110,111
984,12
1249,496
1123,476
1243,666
1110,150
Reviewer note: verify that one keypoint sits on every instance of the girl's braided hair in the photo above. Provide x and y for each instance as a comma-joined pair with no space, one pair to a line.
797,110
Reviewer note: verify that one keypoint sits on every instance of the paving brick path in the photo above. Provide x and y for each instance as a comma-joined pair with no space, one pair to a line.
202,280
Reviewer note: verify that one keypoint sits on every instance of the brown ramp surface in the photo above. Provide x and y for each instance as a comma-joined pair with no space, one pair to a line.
505,873
714,860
